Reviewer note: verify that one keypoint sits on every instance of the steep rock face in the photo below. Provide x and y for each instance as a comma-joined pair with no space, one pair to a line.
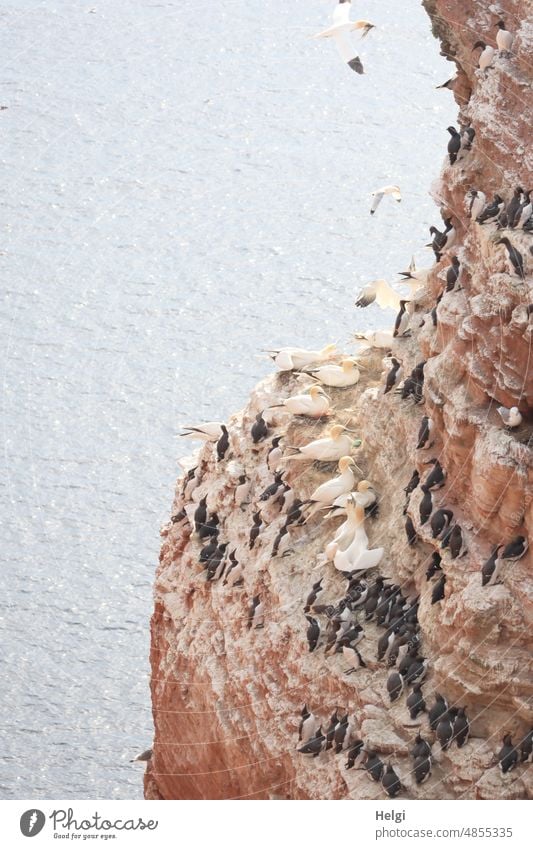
226,698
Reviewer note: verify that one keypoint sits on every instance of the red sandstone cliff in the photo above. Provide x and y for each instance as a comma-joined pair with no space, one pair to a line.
226,699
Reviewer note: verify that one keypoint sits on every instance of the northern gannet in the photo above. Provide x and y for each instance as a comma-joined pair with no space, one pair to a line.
377,338
339,376
341,27
380,292
287,359
332,447
314,403
394,191
209,432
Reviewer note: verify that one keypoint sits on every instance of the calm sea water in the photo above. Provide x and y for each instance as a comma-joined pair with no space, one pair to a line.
184,184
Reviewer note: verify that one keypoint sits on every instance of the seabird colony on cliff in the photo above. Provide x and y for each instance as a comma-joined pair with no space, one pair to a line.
371,608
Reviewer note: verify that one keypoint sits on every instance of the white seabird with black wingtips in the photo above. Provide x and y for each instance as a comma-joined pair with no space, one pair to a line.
379,194
339,31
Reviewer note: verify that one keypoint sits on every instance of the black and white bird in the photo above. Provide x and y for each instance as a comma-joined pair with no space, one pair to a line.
339,31
315,745
516,260
413,483
426,505
422,769
492,210
526,747
515,549
452,274
242,491
208,432
144,757
374,765
415,701
434,565
440,522
355,754
486,56
475,201
352,655
442,240
282,543
424,432
401,325
395,685
223,443
454,145
437,476
490,570
394,376
510,416
216,563
256,529
379,292
410,531
461,728
209,528
444,729
256,610
457,542
504,38
308,725
449,84
275,453
507,756
259,429
379,194
525,212
391,782
313,632
439,709
437,593
421,748
330,731
234,574
341,734
313,595
200,514
511,210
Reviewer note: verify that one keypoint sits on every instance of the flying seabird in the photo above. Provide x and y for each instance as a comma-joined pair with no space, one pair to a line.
378,195
342,25
381,293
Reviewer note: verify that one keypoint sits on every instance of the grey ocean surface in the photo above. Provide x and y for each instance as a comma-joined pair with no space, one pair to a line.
184,184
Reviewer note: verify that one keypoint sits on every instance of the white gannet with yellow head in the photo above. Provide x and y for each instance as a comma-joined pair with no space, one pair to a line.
313,403
339,376
288,359
331,447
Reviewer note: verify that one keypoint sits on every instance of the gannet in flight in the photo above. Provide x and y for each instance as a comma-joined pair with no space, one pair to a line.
380,292
342,25
386,190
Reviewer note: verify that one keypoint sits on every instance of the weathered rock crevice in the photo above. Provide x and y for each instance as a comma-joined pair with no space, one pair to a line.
227,699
